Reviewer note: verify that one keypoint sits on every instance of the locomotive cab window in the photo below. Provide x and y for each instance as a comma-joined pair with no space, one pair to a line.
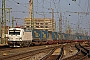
14,32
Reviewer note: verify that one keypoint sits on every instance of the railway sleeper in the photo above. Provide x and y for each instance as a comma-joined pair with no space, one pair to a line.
84,52
50,55
77,48
46,56
89,54
61,54
88,51
78,55
84,48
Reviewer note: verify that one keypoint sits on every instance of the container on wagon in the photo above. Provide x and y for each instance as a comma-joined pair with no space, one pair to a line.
80,37
54,35
59,36
44,35
63,36
66,36
36,34
71,37
87,37
76,37
83,37
49,39
49,35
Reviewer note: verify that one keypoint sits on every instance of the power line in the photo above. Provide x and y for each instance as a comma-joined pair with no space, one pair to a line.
79,6
18,3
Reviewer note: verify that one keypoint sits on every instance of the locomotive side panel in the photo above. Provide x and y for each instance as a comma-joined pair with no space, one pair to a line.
19,38
27,36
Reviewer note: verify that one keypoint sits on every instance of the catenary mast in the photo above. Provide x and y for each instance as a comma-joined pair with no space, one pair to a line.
3,22
60,23
31,15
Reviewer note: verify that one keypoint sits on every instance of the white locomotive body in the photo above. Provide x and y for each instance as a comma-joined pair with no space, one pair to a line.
17,37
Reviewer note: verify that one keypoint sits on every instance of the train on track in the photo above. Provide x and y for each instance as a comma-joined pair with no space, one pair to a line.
18,37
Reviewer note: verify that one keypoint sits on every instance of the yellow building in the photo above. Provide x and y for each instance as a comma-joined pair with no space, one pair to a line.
40,23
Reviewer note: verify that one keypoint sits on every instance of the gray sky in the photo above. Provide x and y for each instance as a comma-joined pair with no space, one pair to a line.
66,7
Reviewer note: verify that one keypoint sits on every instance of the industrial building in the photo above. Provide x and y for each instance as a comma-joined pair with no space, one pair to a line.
40,23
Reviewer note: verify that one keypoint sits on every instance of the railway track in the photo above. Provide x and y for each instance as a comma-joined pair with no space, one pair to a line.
27,54
54,54
47,53
82,54
4,49
57,54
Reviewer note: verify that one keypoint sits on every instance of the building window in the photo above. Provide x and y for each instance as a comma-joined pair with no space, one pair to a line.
27,26
46,26
41,27
41,23
37,26
37,23
27,23
46,23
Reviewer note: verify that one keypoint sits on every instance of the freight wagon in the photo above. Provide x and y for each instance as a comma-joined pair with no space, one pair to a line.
39,37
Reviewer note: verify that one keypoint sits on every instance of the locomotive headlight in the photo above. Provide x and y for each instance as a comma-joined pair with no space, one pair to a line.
10,39
20,38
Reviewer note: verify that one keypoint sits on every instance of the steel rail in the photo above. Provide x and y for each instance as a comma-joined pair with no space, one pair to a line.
61,54
24,54
78,55
49,55
46,56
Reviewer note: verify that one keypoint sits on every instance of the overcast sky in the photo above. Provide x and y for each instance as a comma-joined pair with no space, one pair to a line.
66,7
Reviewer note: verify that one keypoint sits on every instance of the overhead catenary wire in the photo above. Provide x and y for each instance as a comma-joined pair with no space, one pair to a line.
21,4
41,6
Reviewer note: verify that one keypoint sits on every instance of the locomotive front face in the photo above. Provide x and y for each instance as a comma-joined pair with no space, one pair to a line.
14,35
